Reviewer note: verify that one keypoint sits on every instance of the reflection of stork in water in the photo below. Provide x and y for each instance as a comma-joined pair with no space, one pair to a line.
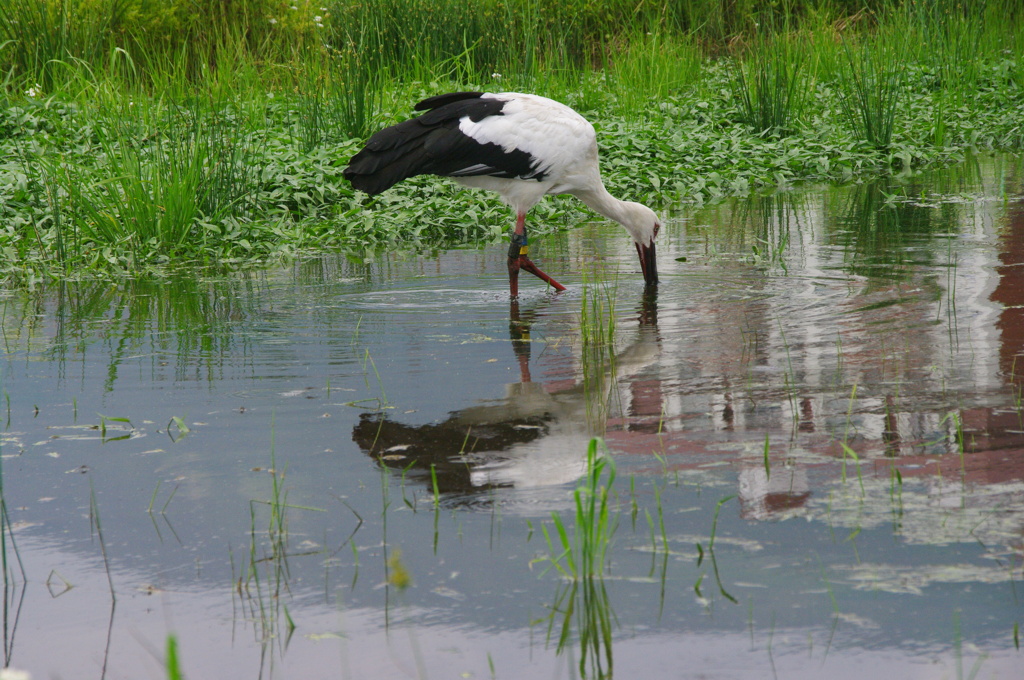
534,436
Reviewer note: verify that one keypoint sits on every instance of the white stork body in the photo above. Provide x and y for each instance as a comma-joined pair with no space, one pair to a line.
561,140
520,146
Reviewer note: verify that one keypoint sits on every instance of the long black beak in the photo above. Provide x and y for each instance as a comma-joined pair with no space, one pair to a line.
648,262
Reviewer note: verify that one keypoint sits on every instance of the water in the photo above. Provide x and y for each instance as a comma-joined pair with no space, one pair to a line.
868,336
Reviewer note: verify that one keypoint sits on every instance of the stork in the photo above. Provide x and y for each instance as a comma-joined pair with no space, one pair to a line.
521,146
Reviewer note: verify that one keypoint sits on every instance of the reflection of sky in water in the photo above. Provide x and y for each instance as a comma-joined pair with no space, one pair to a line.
869,343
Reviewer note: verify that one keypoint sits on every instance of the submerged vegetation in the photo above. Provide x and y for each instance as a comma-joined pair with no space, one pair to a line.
138,135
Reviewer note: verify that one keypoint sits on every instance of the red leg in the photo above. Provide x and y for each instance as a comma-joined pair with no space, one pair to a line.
529,266
518,259
513,277
514,250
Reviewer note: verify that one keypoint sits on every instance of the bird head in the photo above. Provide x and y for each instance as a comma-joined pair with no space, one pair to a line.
643,225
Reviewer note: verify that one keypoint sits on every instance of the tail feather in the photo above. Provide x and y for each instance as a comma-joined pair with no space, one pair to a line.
431,144
391,155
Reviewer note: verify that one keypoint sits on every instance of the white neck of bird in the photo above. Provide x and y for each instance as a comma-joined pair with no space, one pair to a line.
600,201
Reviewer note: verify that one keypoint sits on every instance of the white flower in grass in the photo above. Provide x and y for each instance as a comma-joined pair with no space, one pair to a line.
496,76
273,20
36,91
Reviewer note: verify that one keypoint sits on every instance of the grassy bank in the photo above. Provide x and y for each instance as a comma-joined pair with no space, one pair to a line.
141,137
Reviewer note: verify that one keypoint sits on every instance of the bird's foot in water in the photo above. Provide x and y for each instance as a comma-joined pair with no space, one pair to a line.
528,265
525,263
518,259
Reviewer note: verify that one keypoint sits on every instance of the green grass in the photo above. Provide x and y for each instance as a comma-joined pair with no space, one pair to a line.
711,553
651,67
597,314
597,352
770,84
136,139
171,659
583,604
264,581
872,90
581,553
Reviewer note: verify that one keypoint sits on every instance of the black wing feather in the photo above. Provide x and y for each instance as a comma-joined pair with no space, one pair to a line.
433,144
442,99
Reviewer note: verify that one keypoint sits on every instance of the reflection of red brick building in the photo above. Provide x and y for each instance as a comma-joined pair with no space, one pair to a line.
994,437
1010,294
837,367
903,348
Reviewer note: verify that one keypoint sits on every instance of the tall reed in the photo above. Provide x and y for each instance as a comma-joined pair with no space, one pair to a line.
872,89
653,66
945,37
769,84
156,188
38,37
355,86
411,38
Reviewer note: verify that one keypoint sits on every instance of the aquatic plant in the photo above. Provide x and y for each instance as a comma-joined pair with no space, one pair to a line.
651,68
597,353
872,90
584,607
265,579
711,554
227,148
770,86
582,553
583,604
8,556
171,659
